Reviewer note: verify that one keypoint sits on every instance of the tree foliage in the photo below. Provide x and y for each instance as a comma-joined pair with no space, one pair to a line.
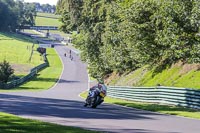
5,71
14,14
124,35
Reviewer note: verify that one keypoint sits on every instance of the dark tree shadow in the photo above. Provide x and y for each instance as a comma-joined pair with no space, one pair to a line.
63,109
24,105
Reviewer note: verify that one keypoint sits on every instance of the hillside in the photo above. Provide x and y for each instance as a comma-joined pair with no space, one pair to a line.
46,19
16,49
177,75
49,19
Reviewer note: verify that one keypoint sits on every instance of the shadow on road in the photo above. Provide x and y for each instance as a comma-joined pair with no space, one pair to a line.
33,106
67,81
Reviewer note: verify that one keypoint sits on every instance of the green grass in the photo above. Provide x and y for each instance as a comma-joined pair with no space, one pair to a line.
13,124
165,78
131,79
48,76
45,21
16,49
189,80
165,109
16,37
175,76
172,77
48,15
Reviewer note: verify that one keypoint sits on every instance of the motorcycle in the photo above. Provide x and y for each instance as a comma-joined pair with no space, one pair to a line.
95,97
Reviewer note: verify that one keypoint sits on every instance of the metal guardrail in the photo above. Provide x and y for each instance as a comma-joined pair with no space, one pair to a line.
162,95
20,81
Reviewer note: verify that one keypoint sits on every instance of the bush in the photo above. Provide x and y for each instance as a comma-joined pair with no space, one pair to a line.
5,71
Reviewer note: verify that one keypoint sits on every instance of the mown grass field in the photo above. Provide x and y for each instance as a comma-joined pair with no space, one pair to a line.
48,19
165,109
44,19
13,124
50,15
16,50
46,78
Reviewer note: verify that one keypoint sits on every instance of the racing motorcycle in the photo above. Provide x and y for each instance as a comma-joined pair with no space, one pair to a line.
95,97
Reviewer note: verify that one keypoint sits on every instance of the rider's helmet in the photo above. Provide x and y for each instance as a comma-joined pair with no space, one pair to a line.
101,85
100,81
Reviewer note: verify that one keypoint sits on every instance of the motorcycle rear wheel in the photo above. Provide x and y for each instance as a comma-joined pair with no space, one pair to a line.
85,105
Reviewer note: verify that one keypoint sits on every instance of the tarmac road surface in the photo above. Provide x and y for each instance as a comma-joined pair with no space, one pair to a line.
62,105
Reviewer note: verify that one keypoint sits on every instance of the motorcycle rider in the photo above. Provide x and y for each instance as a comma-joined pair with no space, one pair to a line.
97,89
100,87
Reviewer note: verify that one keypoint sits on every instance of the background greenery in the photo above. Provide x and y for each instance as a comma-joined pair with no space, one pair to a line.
13,48
177,75
16,49
46,78
121,36
47,19
14,14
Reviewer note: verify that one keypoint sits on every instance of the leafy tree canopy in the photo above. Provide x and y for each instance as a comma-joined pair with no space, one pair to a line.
15,13
121,35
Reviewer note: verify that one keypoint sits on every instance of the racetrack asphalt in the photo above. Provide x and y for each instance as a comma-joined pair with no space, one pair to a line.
62,105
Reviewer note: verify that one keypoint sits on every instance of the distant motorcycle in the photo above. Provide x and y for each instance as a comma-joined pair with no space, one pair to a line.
95,97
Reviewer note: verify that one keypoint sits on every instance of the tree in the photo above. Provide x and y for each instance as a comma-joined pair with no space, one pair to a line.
5,71
71,11
7,15
29,14
124,35
15,14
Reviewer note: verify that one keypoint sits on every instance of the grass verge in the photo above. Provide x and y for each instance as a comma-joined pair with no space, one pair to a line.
50,15
165,109
13,124
46,78
17,50
178,75
44,19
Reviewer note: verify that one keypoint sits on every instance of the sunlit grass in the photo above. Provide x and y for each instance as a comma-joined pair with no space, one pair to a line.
45,21
173,76
18,51
48,76
48,15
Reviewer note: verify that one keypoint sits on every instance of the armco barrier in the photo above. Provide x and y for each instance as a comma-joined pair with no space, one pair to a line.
20,81
163,95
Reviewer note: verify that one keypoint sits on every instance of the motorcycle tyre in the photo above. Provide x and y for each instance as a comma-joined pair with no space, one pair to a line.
85,105
96,102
